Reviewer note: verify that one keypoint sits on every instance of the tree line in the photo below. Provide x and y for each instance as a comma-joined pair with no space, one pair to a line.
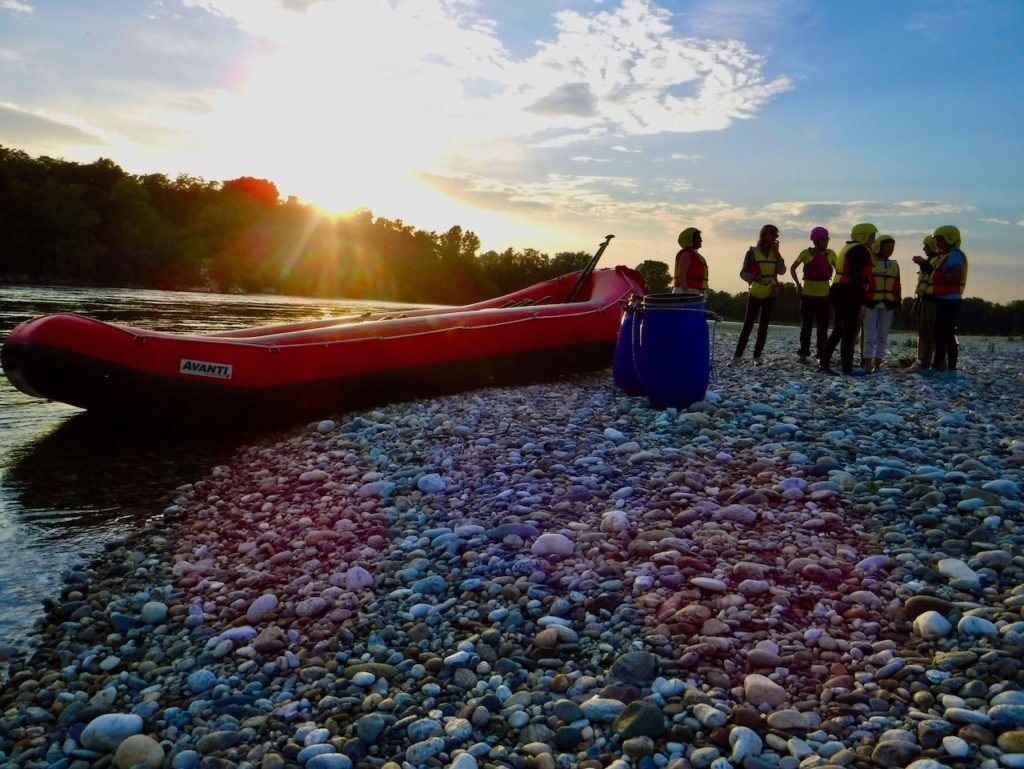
63,222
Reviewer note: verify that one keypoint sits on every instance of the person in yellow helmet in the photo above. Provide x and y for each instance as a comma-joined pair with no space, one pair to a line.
924,305
847,295
882,297
948,280
761,269
691,269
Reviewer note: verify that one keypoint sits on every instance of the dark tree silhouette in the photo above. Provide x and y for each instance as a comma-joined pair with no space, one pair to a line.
657,278
94,224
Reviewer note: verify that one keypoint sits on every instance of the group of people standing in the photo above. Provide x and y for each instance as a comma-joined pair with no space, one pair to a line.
859,288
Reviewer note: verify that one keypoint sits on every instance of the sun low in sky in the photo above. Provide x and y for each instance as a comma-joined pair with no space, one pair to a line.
549,123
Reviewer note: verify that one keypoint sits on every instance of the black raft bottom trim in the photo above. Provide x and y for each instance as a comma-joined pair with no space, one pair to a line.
96,385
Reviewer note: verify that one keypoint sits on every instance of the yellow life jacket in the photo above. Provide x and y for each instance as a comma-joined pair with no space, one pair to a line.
842,276
764,268
924,279
884,284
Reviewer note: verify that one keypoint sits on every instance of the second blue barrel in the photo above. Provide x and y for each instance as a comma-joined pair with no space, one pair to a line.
626,361
674,352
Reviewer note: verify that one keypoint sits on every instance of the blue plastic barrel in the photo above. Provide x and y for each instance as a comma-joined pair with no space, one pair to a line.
625,362
674,352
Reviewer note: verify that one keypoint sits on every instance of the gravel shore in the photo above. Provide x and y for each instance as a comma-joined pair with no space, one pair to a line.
798,572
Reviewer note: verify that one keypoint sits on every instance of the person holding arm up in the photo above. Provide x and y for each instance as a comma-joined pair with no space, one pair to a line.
949,279
924,305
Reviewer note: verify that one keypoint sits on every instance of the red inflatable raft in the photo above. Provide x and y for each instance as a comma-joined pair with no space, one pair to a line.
317,367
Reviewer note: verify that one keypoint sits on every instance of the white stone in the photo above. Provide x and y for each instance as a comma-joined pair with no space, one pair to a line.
602,709
1003,487
154,612
106,732
956,746
761,690
931,625
552,544
261,607
358,578
954,568
745,743
710,584
431,483
754,586
311,607
865,598
976,626
615,521
735,513
615,436
463,761
139,750
709,716
788,720
872,563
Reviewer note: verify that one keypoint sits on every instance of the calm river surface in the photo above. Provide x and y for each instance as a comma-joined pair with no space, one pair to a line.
69,482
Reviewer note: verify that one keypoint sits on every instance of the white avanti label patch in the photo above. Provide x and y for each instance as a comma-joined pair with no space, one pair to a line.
205,368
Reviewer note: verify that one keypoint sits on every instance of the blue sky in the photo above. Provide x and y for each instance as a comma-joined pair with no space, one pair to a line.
551,123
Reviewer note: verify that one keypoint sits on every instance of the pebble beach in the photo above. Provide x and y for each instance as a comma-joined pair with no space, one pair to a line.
799,571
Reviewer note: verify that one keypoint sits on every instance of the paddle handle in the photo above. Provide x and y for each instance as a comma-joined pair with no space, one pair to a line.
585,275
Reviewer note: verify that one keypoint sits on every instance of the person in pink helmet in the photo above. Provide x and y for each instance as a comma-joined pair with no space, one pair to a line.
818,263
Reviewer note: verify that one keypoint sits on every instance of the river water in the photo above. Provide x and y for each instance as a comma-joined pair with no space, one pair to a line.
71,482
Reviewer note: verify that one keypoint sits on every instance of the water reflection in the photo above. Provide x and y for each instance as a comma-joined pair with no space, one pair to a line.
92,471
71,482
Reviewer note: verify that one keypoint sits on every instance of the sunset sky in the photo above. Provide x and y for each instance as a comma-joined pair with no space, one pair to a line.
550,123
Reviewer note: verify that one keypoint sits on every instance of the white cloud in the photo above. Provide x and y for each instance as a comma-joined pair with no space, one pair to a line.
373,90
568,99
839,216
861,210
607,73
993,220
47,128
681,156
1020,223
588,159
558,196
15,5
7,54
